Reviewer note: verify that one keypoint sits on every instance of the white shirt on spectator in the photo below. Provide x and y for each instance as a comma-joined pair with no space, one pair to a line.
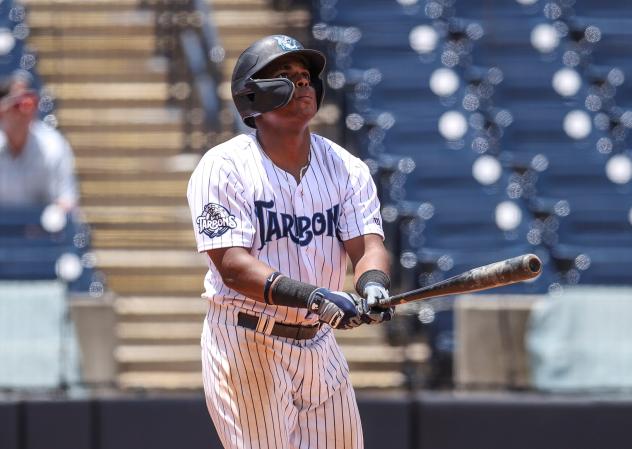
42,173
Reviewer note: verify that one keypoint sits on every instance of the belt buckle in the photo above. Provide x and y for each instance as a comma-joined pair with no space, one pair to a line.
265,324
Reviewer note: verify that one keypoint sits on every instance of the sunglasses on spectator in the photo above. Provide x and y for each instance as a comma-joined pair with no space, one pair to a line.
23,101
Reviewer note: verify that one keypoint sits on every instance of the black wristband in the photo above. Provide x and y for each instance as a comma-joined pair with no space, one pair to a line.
266,288
372,276
288,292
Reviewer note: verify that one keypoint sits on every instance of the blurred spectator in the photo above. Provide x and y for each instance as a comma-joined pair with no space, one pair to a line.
36,161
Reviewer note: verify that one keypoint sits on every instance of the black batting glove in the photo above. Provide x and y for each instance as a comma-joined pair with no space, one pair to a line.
338,309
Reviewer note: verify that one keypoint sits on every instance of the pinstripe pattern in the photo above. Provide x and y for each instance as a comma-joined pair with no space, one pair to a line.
266,392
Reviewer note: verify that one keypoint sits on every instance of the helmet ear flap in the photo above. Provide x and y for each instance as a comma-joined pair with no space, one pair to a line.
264,95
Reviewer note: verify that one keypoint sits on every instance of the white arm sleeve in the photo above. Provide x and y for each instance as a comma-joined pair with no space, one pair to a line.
360,213
221,216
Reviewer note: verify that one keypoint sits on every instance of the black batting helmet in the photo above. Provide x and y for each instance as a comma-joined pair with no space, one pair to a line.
254,96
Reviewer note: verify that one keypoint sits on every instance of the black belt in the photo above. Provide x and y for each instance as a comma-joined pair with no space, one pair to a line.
296,332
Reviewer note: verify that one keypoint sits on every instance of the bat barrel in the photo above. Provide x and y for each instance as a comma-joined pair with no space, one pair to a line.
498,274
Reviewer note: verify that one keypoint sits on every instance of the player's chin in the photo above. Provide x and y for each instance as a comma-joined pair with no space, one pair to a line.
304,102
304,111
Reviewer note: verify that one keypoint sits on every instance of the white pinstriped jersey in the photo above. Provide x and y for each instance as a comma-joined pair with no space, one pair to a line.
238,197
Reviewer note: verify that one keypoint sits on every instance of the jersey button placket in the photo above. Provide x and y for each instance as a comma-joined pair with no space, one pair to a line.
304,251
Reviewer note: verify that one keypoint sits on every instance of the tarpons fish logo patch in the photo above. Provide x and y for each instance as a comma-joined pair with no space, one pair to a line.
215,220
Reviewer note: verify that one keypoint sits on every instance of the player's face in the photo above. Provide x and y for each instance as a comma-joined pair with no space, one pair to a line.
303,105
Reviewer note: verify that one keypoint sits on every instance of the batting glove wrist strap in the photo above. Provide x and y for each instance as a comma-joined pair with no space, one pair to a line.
291,293
266,288
372,276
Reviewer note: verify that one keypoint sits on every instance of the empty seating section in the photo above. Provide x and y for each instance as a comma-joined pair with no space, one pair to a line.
502,117
493,128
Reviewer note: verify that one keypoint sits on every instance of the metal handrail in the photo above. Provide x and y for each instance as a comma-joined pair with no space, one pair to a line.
209,44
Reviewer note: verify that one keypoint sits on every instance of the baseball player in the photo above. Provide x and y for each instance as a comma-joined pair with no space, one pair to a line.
278,211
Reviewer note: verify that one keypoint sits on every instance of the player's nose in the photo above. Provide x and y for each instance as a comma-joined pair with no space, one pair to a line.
302,81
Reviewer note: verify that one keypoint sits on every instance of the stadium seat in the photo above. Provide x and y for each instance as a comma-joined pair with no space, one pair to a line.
30,251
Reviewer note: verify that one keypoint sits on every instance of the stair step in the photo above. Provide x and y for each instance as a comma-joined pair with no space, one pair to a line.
138,201
92,70
143,239
143,20
167,189
56,5
366,335
119,151
167,119
379,356
377,379
157,380
149,259
49,45
112,176
118,4
102,143
129,354
155,282
159,332
180,165
89,20
122,92
259,20
121,215
158,307
153,272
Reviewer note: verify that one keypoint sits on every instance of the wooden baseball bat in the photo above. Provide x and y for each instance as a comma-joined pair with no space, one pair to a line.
497,274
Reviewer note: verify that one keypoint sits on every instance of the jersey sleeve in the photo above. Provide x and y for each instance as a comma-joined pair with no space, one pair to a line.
360,212
221,216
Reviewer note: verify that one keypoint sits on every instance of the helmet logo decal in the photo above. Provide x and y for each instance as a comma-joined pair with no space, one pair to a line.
286,43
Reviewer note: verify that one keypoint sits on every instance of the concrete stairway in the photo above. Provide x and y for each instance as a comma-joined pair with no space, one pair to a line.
99,58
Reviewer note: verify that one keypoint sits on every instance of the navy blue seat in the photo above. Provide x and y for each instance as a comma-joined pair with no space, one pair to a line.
443,263
23,226
29,252
576,174
535,121
444,171
599,220
468,219
599,265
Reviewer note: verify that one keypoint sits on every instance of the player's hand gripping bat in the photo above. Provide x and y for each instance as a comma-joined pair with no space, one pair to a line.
497,274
